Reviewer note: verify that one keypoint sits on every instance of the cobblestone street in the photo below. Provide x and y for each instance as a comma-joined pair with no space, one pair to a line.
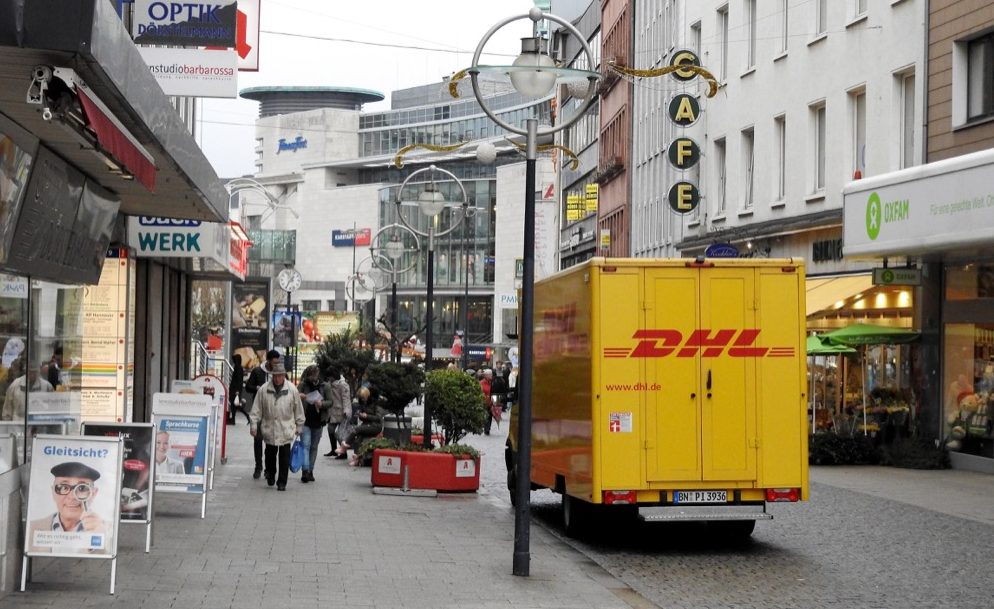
841,549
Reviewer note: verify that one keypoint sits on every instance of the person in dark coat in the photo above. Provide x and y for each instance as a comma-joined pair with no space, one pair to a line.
317,399
235,386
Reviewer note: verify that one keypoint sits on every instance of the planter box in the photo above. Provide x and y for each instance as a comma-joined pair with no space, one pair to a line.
418,439
436,471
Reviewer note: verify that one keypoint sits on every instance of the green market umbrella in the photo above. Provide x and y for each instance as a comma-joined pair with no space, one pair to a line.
867,334
817,346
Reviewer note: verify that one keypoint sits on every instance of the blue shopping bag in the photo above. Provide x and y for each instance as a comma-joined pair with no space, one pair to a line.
296,455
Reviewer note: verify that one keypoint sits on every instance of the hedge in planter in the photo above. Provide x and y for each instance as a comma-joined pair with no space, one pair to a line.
458,406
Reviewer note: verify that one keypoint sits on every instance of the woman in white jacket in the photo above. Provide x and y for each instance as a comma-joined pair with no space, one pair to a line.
278,408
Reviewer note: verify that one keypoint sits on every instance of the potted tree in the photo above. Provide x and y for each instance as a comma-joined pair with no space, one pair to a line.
457,409
396,385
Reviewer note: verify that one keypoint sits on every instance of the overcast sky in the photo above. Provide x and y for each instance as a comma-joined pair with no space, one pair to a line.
227,131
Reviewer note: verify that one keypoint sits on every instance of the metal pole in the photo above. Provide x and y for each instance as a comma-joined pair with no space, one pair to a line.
429,320
394,314
522,489
465,298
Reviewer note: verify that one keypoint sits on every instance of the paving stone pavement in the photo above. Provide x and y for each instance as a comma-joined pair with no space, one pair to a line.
329,544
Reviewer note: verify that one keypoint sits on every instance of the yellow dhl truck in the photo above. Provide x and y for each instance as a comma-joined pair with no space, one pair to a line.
674,386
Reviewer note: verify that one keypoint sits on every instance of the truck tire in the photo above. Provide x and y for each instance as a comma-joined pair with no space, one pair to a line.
732,530
576,516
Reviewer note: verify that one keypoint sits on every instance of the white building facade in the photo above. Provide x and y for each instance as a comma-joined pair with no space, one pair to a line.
812,95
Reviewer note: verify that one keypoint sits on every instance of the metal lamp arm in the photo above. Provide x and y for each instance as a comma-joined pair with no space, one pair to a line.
474,73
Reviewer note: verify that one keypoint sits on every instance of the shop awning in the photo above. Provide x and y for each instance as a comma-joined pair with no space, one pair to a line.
823,292
88,37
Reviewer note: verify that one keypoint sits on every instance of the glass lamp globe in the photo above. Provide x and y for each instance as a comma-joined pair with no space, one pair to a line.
431,202
534,83
394,248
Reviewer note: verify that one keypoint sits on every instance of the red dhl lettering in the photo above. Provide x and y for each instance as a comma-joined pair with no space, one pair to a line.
707,342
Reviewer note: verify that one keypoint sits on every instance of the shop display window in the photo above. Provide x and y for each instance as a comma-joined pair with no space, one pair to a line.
40,365
968,379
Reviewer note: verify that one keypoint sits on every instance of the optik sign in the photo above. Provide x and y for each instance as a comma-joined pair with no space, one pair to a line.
187,24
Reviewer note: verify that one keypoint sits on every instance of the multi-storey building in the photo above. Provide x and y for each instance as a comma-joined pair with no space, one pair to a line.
614,177
331,167
578,188
940,214
799,112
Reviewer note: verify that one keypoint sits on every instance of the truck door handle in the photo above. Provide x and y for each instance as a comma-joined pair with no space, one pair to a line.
709,384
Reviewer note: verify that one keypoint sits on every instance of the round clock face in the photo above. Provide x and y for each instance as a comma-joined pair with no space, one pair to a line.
289,279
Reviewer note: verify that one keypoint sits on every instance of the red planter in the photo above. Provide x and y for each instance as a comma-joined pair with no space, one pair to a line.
425,470
419,439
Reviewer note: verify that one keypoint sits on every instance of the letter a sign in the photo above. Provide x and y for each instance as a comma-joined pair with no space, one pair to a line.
465,468
389,465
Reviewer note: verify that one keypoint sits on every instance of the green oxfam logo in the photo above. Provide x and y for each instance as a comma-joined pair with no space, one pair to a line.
874,216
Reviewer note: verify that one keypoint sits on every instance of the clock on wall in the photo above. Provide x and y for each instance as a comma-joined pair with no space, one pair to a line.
289,279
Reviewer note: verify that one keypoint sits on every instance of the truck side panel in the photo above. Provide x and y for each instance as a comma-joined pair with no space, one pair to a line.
783,434
619,409
561,402
672,439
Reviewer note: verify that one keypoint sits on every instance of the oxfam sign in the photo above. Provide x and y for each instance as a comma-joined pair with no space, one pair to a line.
880,212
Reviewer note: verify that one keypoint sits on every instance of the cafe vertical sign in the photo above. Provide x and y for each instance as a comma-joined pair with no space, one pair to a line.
683,152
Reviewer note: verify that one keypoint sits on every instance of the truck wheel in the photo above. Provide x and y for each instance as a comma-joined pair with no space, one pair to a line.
575,516
732,530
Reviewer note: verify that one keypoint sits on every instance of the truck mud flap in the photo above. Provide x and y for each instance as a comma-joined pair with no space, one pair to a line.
687,513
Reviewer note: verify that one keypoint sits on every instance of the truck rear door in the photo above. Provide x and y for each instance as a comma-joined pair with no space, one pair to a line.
728,373
701,403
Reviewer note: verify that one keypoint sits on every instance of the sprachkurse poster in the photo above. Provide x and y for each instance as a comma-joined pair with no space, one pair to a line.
72,499
139,440
181,426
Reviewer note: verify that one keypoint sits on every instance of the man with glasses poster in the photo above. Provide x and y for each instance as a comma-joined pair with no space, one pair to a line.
74,524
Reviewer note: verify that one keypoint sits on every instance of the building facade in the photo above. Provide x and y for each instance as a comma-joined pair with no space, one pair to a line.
940,214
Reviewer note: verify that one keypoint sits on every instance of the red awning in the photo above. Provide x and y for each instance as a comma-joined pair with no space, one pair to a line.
116,142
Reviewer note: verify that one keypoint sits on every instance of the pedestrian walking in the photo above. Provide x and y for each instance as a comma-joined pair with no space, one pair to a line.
341,402
236,401
257,378
277,415
317,399
486,380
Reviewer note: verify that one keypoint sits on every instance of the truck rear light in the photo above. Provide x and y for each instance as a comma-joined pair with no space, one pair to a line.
783,494
619,497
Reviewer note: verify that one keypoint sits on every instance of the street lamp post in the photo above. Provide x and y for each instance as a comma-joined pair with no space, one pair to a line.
387,257
533,74
465,297
431,202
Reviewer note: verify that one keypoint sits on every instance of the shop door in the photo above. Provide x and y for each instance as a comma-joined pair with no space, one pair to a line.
728,385
673,397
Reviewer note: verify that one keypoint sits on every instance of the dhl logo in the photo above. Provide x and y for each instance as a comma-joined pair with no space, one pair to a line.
709,343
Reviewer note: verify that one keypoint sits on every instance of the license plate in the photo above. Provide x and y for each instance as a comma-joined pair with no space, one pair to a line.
700,497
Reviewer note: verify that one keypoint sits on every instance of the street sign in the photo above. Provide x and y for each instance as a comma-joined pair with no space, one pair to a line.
897,276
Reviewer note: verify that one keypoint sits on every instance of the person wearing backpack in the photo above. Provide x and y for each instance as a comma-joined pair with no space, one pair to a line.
257,378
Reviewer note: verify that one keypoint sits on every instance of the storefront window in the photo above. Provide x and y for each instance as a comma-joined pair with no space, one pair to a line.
14,341
970,282
969,381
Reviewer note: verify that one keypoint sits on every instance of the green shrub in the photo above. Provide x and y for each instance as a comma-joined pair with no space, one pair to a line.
396,384
833,449
915,453
372,444
459,450
457,404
